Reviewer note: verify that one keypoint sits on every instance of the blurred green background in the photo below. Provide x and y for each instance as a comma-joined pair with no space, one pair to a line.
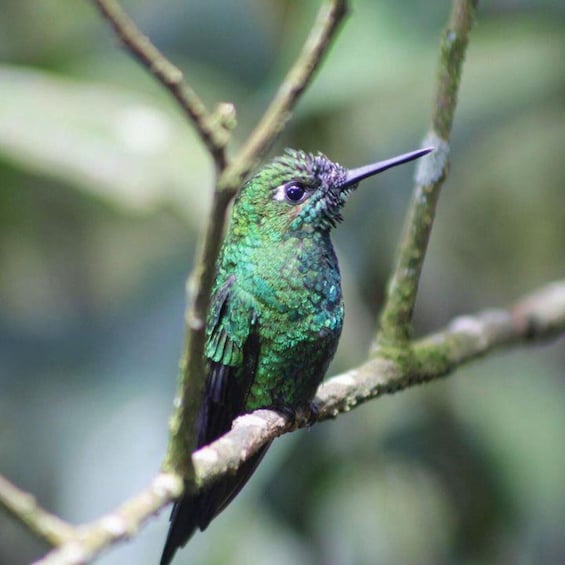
103,188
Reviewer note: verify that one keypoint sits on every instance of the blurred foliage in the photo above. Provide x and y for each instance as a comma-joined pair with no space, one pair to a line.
103,188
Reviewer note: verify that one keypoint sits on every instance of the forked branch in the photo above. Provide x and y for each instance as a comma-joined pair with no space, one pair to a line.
213,129
327,23
182,438
170,76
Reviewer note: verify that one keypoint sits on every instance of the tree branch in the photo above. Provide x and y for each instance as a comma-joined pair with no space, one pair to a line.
535,318
24,508
328,20
213,132
182,438
396,315
119,525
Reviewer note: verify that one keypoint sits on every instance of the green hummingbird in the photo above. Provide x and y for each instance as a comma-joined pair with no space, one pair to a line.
276,309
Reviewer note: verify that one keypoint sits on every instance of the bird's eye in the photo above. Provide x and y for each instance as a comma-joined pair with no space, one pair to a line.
294,192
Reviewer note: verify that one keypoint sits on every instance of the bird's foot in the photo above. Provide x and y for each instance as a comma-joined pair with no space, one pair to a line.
289,413
311,413
304,416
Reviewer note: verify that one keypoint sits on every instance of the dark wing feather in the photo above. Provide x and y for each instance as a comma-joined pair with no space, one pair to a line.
233,350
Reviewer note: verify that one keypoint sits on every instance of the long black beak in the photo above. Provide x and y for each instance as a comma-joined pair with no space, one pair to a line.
356,175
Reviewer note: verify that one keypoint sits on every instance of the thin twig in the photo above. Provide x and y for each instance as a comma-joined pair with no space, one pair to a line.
212,132
396,316
535,318
121,524
24,508
328,20
182,439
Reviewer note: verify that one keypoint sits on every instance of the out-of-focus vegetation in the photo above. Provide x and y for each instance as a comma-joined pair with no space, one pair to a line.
103,188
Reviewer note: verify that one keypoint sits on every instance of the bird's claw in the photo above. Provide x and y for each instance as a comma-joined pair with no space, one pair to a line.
305,416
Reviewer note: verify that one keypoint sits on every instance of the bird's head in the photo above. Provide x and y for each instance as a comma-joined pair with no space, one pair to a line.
300,193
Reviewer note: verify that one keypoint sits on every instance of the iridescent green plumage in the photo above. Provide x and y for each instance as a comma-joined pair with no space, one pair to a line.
276,311
284,284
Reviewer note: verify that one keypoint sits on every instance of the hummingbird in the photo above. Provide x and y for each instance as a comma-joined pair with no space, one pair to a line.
276,310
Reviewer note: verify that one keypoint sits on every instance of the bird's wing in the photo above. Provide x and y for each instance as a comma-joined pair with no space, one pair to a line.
232,351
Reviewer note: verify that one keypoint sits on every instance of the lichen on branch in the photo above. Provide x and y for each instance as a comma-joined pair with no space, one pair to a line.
396,317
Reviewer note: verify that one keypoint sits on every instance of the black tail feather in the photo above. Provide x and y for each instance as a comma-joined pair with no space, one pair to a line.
197,511
183,525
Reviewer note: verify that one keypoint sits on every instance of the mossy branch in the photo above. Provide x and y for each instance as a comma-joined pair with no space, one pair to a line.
396,316
534,319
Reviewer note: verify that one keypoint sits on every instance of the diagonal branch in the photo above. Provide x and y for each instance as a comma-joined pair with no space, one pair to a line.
328,20
396,316
24,508
535,318
211,131
119,525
